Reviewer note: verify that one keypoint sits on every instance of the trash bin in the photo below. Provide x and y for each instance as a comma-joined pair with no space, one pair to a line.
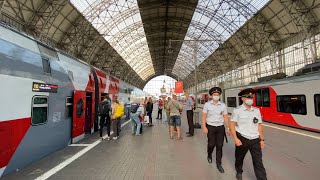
196,119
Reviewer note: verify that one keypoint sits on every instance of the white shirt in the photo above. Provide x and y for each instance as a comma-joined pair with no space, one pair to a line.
189,104
140,110
215,113
244,119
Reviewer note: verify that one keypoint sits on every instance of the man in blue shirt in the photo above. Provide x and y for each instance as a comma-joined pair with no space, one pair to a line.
189,109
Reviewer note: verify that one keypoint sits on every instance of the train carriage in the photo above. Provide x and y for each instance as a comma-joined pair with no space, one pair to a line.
292,101
49,99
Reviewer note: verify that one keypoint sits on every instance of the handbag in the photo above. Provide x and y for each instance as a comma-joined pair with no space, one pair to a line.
146,119
164,117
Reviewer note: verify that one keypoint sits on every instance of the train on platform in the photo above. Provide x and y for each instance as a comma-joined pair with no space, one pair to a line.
49,99
291,101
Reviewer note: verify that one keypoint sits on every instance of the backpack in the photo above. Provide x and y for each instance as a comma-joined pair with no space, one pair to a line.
134,108
104,108
119,111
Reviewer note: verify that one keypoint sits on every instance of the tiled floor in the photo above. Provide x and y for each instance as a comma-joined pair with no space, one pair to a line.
154,155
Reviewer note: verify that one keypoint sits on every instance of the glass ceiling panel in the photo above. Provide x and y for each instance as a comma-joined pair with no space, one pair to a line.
215,21
120,23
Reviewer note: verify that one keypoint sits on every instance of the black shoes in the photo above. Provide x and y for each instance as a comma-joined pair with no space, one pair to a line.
209,158
220,168
239,176
189,135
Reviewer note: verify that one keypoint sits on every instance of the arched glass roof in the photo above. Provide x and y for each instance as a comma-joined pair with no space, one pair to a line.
214,22
119,21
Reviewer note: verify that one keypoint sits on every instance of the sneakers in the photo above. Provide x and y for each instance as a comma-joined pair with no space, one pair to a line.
239,176
209,158
108,138
115,138
220,168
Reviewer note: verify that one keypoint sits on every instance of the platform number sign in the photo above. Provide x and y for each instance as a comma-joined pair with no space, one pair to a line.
41,87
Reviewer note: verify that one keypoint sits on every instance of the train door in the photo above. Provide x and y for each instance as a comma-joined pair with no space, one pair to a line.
262,101
88,113
78,120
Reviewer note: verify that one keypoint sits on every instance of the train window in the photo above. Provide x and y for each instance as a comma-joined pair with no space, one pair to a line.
69,107
70,74
39,114
231,101
294,104
79,108
46,65
317,104
240,101
266,97
258,97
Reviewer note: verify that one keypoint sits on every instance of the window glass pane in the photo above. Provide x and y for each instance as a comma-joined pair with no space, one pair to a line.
46,66
266,97
69,107
69,111
258,97
40,100
294,104
231,101
69,100
317,104
79,108
39,115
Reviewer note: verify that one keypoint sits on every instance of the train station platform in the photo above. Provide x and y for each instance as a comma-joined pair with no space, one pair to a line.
290,154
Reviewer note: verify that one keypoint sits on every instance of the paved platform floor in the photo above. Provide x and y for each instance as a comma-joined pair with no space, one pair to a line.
287,156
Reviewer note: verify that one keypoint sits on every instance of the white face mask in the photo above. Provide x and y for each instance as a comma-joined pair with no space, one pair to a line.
215,98
248,102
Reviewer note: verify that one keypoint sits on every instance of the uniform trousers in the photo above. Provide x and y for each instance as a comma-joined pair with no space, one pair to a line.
254,147
215,139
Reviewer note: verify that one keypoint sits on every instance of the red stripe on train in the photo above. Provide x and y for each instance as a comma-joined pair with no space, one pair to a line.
11,134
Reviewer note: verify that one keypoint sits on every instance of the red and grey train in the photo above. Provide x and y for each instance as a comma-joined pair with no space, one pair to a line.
292,101
48,98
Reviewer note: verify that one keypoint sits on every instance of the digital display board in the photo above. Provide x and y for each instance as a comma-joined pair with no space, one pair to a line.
41,87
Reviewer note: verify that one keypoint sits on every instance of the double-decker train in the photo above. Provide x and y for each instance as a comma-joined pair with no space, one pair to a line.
292,101
49,99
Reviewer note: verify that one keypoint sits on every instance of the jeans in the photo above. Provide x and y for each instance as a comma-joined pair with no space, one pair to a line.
105,119
175,120
135,120
128,112
115,126
149,113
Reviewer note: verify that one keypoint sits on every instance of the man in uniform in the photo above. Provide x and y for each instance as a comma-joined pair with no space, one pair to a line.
214,116
246,128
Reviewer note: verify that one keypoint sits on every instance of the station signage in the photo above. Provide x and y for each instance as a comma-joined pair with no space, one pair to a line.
41,87
179,87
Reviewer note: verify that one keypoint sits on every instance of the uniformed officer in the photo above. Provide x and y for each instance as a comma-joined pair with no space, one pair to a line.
247,132
214,116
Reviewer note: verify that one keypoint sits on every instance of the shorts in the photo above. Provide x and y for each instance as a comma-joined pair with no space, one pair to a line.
175,120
